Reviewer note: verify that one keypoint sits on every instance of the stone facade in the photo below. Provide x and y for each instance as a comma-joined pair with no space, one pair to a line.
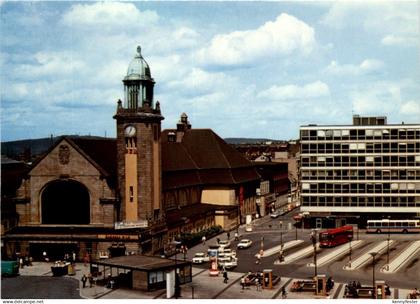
78,168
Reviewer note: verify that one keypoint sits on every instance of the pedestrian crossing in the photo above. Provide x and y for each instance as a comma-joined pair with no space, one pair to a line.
359,252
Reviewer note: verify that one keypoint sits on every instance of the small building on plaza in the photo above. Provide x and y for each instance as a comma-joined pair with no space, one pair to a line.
141,272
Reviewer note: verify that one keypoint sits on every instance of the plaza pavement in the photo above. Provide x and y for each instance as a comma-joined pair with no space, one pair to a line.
202,287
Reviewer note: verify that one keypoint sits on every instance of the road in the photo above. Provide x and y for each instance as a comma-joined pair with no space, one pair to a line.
30,287
270,230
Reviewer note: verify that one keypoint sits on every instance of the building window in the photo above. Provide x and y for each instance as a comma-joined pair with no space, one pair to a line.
131,194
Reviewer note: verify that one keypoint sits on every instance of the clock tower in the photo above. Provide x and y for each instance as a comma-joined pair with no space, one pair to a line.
139,150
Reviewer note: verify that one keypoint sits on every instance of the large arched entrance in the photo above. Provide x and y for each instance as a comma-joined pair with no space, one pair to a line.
65,202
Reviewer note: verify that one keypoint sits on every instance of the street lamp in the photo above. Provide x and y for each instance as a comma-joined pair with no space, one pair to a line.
350,239
387,247
177,287
262,246
373,254
313,239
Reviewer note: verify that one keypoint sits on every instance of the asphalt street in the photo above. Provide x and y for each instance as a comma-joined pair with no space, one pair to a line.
31,287
270,230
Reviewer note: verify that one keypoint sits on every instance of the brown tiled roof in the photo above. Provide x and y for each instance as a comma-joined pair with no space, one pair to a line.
12,173
214,161
101,150
177,217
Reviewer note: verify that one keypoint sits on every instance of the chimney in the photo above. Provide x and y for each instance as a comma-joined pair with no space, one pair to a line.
182,126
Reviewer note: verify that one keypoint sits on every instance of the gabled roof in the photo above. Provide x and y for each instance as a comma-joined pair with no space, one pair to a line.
100,152
203,151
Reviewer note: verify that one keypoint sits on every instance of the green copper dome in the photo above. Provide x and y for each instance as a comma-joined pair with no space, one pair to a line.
138,68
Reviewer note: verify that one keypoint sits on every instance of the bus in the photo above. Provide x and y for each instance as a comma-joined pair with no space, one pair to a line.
396,226
335,236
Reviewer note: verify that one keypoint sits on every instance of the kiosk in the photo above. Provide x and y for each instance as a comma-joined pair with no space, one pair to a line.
380,289
267,279
321,285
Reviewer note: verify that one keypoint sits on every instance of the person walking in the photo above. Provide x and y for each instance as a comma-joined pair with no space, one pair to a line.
84,279
243,283
228,235
258,258
225,277
283,292
90,278
258,284
236,236
203,240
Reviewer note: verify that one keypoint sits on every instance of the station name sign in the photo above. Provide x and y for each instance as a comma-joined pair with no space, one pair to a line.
128,225
119,237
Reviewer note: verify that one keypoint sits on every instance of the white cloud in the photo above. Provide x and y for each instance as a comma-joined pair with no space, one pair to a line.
309,91
54,64
283,36
376,99
397,22
108,15
411,108
391,40
365,67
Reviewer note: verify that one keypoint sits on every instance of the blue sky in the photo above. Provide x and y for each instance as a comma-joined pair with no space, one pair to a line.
243,69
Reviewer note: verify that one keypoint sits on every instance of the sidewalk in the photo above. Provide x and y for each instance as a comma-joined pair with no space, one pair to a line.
202,287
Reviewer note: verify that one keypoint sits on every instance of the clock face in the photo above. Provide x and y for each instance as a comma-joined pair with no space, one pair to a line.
130,131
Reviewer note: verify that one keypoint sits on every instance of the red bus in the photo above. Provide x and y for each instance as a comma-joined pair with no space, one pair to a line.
336,236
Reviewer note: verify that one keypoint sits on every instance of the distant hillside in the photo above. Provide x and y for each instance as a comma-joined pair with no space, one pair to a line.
240,140
27,149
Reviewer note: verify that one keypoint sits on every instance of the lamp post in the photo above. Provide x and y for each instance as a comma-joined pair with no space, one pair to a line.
373,254
387,247
262,246
350,239
177,287
313,239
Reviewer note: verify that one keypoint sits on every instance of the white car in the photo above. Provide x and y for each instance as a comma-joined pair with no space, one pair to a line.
231,263
227,252
200,258
224,244
244,243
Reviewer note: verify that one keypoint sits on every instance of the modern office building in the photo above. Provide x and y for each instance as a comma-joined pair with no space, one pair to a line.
369,169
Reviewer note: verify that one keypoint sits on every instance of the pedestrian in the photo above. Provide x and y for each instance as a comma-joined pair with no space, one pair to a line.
243,283
21,262
84,279
283,292
257,282
236,236
258,258
218,241
225,277
90,278
228,235
203,240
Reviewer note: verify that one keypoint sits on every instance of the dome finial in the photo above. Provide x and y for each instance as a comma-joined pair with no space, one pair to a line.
139,50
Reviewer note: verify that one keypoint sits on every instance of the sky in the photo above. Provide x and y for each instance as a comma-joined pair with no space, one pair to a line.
243,69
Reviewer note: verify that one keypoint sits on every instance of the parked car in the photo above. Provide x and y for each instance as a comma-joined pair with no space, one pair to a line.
248,228
244,243
276,214
224,244
200,258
